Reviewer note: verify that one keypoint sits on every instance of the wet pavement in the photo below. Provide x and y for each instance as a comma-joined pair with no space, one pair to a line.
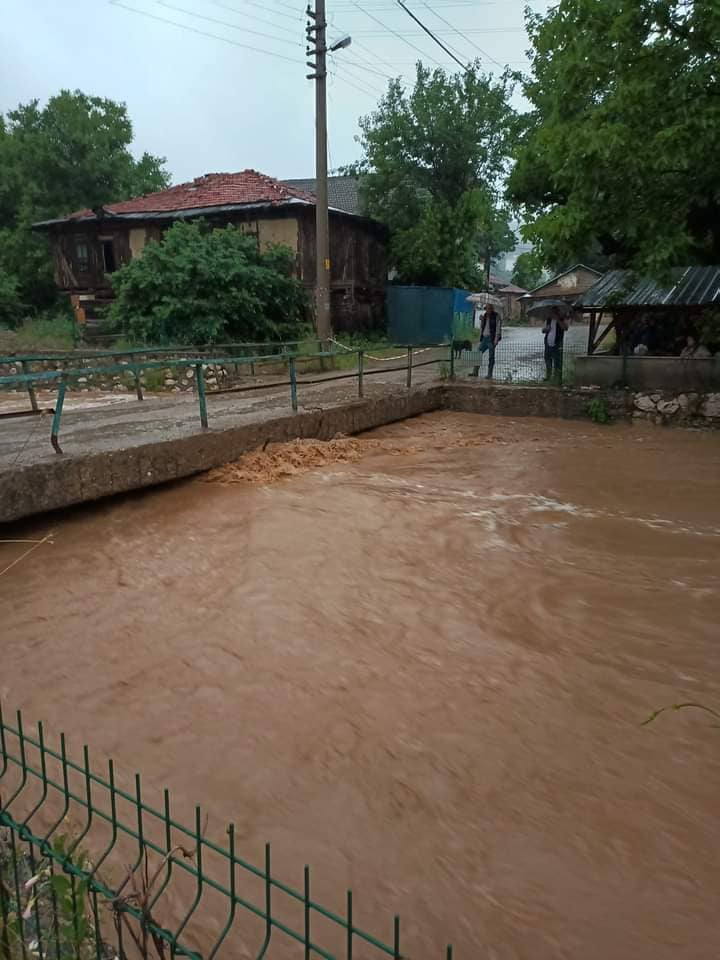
96,421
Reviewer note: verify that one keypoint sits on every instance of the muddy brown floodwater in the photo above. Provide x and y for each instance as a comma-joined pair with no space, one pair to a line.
422,672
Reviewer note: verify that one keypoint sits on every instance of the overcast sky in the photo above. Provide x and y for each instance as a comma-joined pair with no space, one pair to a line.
223,102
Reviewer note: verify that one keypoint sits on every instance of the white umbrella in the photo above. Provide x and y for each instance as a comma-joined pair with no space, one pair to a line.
484,298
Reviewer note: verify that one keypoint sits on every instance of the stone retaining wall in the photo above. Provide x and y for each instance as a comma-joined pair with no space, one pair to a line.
666,408
681,409
159,379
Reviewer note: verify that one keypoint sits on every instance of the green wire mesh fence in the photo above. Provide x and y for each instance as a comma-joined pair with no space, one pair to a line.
88,869
521,357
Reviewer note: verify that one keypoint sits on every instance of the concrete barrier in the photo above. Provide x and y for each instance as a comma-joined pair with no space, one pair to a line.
71,479
509,401
670,374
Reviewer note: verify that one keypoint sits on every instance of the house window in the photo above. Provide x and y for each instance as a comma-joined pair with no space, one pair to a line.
108,252
82,255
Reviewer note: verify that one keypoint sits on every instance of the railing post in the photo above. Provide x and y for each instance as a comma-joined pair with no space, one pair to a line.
452,360
30,388
202,400
361,371
293,384
409,368
56,418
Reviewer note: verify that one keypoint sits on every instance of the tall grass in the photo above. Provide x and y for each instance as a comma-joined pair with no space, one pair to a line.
50,331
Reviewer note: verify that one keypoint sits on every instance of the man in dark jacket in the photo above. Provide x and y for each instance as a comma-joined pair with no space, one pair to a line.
490,337
554,333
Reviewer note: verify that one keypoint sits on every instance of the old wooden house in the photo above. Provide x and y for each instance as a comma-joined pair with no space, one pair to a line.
89,245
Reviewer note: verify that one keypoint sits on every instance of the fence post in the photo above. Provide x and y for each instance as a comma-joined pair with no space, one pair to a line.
293,384
30,388
361,371
202,400
452,361
57,416
409,368
138,384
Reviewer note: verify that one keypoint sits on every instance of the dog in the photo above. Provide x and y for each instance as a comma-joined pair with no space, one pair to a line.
460,346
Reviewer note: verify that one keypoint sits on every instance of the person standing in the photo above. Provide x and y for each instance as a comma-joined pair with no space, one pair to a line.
490,337
554,332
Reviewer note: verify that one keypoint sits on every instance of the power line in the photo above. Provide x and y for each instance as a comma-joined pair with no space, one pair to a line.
429,32
353,71
471,42
354,85
365,66
387,5
252,3
362,46
203,33
394,32
289,6
225,23
443,33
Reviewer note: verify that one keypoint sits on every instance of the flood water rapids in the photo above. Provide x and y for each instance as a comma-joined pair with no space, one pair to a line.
423,672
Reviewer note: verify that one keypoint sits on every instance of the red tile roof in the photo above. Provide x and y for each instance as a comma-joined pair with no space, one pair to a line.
210,190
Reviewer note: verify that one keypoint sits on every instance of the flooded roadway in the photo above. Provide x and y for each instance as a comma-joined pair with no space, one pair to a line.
424,673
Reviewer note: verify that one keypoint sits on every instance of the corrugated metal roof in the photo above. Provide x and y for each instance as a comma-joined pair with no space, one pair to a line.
688,287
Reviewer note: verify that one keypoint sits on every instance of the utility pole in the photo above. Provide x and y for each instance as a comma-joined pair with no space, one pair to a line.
317,47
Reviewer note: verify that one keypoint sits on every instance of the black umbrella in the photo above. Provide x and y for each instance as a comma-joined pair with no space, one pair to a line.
543,309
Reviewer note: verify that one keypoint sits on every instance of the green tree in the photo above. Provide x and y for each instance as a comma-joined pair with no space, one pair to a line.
199,285
72,153
622,142
9,302
434,160
528,271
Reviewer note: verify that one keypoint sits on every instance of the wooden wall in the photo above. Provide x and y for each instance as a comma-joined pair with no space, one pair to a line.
68,274
358,276
358,251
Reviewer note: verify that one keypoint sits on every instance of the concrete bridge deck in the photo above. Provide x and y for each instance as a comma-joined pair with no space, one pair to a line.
113,445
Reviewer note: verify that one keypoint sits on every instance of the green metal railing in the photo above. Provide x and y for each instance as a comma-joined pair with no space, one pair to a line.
80,880
135,368
191,350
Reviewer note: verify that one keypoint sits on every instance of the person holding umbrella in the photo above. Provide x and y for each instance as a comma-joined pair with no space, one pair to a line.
490,337
554,332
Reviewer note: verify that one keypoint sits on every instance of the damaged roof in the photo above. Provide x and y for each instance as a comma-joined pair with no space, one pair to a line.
213,190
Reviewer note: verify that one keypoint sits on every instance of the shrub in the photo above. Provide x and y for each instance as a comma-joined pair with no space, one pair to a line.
53,330
9,302
598,410
203,285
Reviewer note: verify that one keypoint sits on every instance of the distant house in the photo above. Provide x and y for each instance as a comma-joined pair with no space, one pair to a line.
567,286
89,245
511,296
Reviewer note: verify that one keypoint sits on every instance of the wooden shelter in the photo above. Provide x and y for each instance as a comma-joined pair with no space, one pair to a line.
625,302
